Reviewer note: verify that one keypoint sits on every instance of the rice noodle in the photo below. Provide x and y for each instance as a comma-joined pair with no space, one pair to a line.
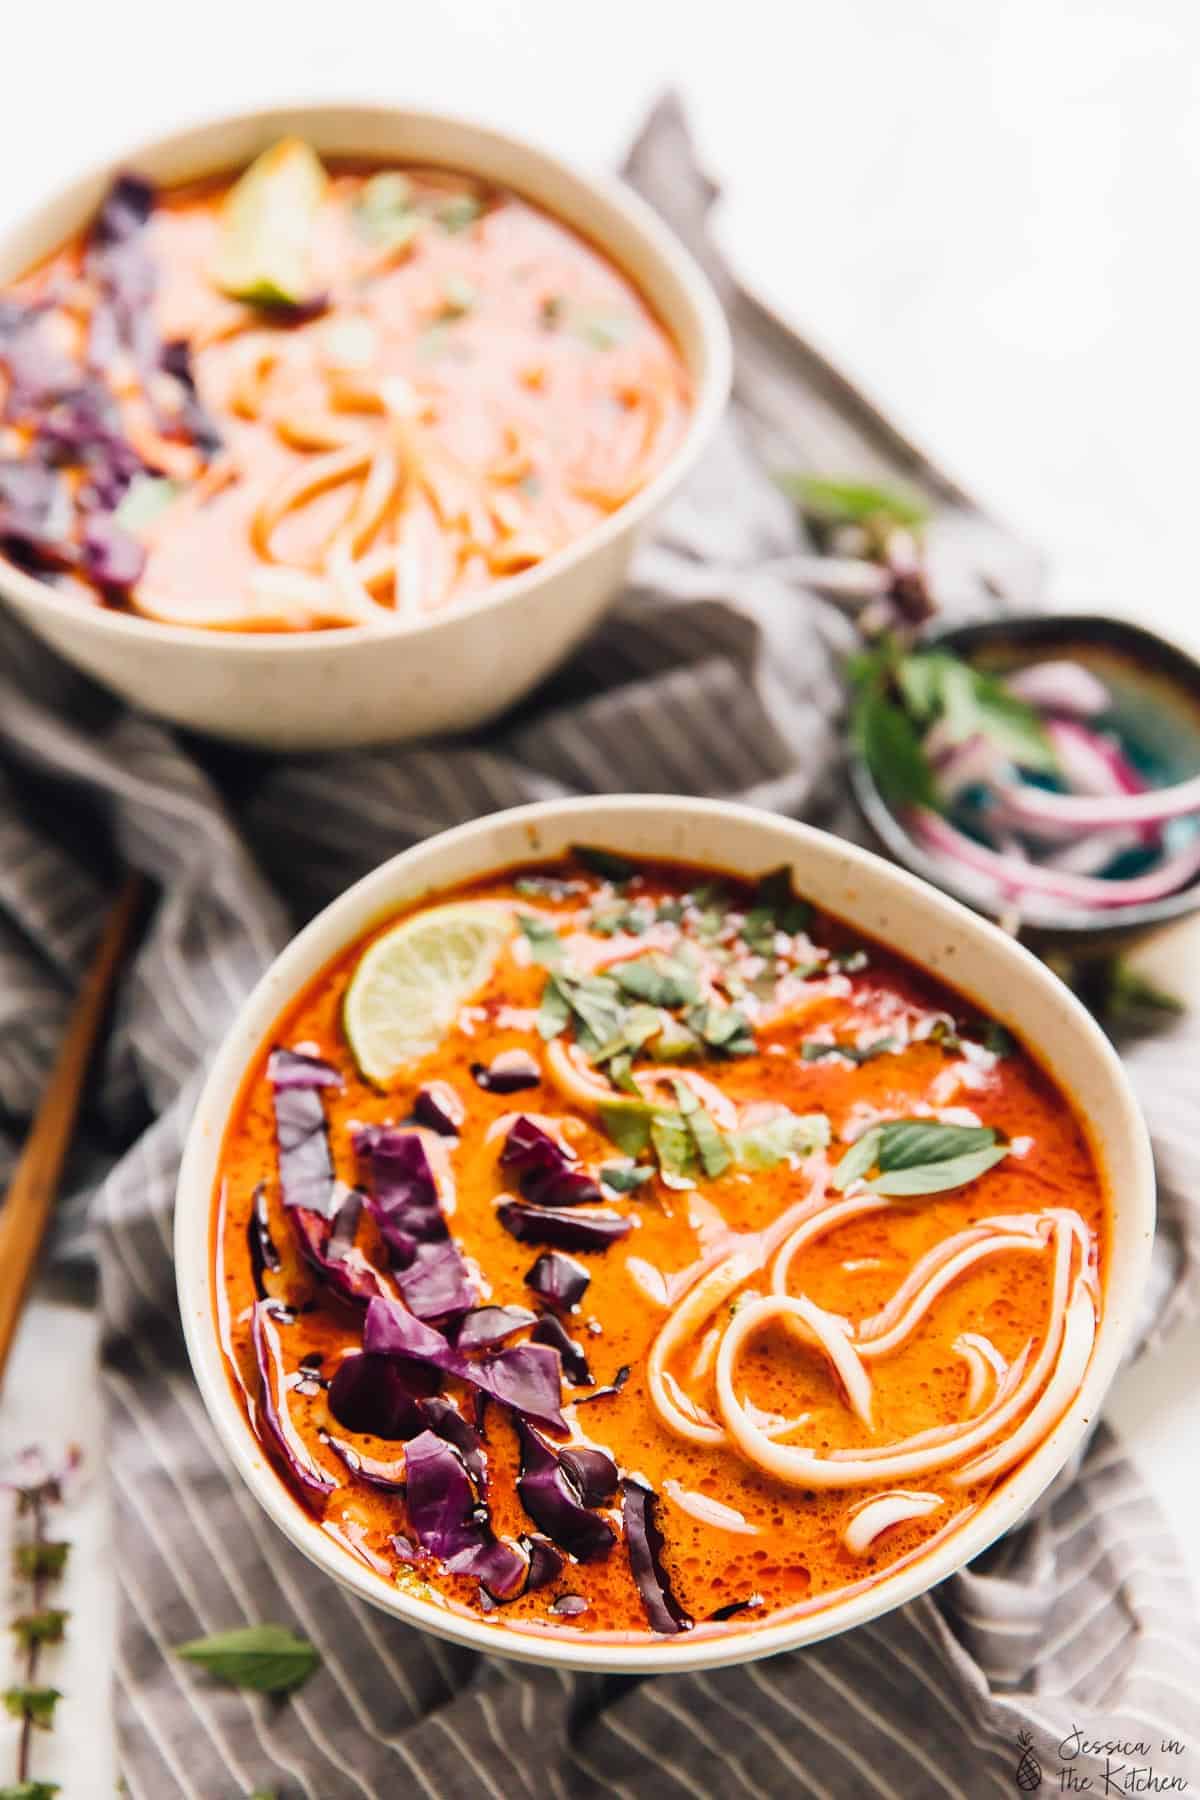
1039,1388
983,1361
872,1517
708,1511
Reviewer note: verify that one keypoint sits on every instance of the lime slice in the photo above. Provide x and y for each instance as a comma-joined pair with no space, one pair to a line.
267,224
406,992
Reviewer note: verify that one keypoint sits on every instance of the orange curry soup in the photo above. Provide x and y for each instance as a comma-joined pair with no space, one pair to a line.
320,397
804,1253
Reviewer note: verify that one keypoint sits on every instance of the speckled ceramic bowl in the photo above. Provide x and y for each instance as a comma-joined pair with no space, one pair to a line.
1156,690
953,944
400,679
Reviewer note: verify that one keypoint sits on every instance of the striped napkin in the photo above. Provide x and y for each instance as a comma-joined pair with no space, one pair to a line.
717,676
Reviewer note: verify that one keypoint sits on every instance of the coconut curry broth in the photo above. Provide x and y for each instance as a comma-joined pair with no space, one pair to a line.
916,1050
454,386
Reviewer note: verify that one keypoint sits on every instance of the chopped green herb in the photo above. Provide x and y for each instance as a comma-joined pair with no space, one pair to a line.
636,1028
40,1627
620,1073
625,1178
603,330
850,962
542,938
998,1039
33,1703
635,920
545,887
777,1139
384,212
661,980
32,1790
552,311
945,1034
145,497
676,1042
813,1050
459,213
605,863
628,1126
774,892
674,1146
270,1659
458,297
554,1012
711,1148
723,1028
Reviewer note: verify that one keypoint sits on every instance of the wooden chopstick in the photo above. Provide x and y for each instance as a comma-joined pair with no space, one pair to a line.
34,1185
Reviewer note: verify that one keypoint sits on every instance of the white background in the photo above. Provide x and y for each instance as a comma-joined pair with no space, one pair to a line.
987,215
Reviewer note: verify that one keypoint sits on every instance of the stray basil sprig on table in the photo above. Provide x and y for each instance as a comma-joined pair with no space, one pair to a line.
915,1157
269,1659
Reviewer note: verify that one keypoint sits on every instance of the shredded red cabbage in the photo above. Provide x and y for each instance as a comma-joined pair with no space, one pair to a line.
488,1325
584,1230
543,1168
549,1330
644,1540
448,1522
306,1177
403,1198
375,1395
527,1378
560,1280
555,1504
438,1106
284,1443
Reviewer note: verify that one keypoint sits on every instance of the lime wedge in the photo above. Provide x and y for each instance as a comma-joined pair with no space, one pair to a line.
406,992
267,225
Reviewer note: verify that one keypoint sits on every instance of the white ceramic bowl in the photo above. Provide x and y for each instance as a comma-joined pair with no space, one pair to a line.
936,933
317,690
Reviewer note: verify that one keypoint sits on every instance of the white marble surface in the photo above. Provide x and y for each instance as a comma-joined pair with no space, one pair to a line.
986,215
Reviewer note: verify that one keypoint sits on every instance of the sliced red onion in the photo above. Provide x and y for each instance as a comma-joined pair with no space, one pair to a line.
1091,855
582,1230
278,1434
973,763
1037,810
1060,686
1011,877
1092,764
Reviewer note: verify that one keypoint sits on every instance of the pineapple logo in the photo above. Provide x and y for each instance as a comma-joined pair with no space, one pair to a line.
1029,1769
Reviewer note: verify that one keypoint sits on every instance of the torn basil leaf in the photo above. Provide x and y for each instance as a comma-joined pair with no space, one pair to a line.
542,938
660,980
625,1178
269,1659
775,1140
710,1145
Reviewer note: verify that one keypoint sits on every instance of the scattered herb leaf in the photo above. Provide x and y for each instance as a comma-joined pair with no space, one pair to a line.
270,1659
625,1178
605,863
33,1703
543,939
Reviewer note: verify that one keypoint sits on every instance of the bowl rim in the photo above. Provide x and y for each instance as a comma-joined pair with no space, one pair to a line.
1070,923
397,882
712,376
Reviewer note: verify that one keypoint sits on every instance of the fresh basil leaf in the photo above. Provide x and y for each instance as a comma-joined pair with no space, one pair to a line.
605,863
620,1073
628,1125
891,747
593,1001
859,1159
669,912
660,980
711,1148
777,1139
44,1560
909,1143
625,1178
938,1177
543,939
919,679
838,502
977,704
270,1659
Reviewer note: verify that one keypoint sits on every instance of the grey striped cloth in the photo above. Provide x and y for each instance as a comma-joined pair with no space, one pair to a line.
716,675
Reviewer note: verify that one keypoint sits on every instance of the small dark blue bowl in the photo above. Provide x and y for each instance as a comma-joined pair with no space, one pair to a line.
1156,694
